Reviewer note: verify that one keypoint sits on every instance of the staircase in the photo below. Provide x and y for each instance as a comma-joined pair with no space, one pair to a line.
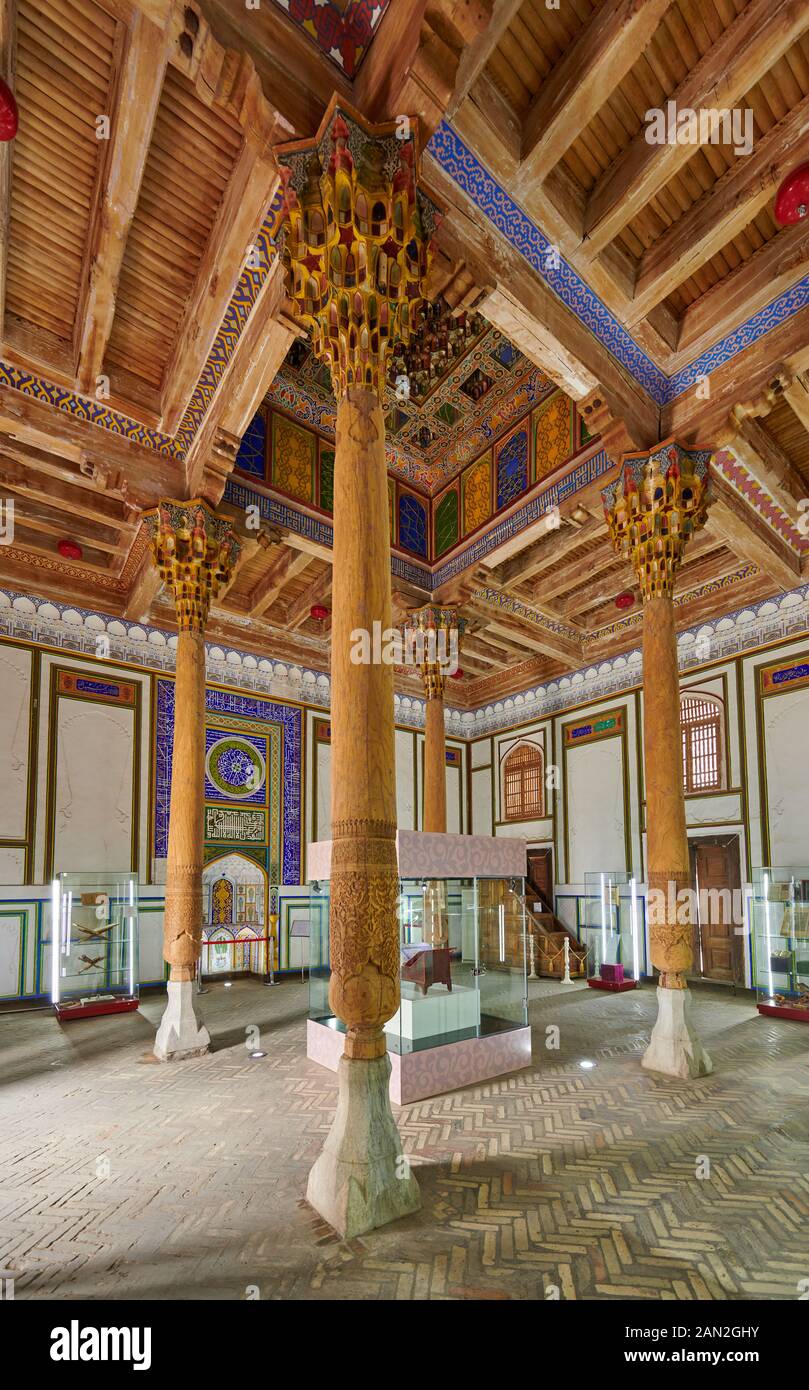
549,939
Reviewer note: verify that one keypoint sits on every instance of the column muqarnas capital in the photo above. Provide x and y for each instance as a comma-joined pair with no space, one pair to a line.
355,244
658,501
195,552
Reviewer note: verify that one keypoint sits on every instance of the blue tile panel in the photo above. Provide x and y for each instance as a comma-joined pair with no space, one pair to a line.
249,707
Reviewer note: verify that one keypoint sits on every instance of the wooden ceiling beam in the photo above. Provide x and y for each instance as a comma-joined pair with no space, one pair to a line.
562,580
747,49
465,235
318,589
45,484
413,63
262,346
537,343
138,87
766,461
795,390
719,215
227,82
480,649
525,634
545,554
750,538
66,583
538,639
248,194
701,418
480,50
772,270
94,561
296,77
281,569
148,475
36,516
8,59
578,85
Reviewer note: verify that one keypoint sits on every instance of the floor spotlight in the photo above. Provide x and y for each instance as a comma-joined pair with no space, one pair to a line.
256,1055
586,1064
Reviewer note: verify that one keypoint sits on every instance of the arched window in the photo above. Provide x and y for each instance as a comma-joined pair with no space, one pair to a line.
522,783
702,739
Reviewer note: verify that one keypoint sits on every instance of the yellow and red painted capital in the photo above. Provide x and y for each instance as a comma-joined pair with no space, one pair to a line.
658,501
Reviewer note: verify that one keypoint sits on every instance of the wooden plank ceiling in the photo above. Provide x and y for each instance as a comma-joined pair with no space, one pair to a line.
141,175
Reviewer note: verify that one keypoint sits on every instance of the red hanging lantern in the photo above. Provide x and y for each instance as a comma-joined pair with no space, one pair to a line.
625,600
9,116
318,612
70,550
792,198
457,675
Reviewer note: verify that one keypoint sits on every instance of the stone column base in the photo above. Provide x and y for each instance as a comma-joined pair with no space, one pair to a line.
181,1034
362,1179
674,1048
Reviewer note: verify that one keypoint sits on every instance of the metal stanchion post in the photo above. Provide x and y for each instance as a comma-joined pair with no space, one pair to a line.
201,988
269,976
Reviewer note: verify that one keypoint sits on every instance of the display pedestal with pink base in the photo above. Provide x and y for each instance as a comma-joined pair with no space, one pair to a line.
464,1022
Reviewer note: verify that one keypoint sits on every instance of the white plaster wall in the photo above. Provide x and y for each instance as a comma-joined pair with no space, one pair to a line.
15,704
10,947
595,808
322,760
454,778
481,801
151,966
12,864
713,810
785,723
481,752
93,792
405,811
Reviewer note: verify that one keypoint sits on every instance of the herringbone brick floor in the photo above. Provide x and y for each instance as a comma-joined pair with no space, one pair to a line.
123,1178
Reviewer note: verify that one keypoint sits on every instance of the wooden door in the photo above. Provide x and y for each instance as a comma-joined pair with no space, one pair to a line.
717,877
540,875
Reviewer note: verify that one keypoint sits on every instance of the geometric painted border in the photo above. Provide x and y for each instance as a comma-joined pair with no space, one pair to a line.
453,156
236,316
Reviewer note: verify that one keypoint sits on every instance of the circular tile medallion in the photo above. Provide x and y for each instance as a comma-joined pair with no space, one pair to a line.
235,767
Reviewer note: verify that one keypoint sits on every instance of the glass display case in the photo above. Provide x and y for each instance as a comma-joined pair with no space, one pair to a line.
779,907
94,944
612,930
463,964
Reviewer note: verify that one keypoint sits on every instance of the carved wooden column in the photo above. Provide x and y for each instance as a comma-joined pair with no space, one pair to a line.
431,634
195,551
652,509
355,258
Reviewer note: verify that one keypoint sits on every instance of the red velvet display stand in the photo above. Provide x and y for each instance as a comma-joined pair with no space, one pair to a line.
611,977
66,1012
784,1011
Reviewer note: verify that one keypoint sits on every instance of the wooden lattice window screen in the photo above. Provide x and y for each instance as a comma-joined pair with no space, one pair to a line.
523,783
701,729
